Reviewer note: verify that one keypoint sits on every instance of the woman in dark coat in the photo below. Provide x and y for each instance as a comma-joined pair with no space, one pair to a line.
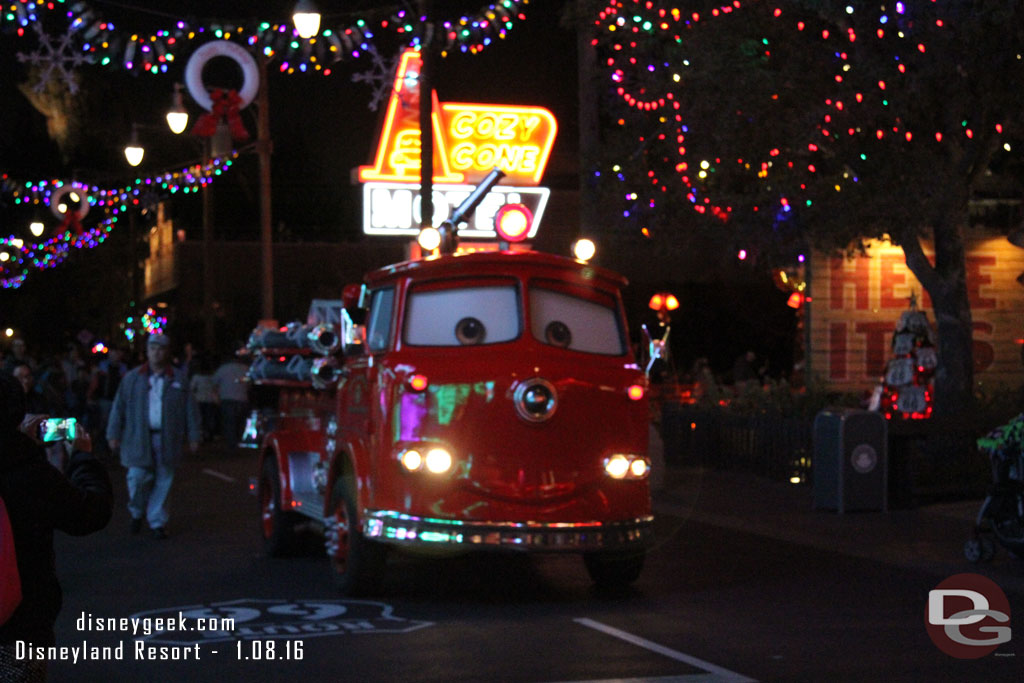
40,499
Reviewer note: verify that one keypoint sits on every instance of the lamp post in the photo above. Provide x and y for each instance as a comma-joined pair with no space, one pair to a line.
426,127
264,149
134,150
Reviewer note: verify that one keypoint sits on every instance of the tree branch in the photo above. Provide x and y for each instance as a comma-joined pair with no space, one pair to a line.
918,262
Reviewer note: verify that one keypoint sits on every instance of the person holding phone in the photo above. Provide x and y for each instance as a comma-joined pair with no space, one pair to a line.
40,498
154,414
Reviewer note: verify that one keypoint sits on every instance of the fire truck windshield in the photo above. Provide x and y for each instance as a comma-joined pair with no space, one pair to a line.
489,311
486,314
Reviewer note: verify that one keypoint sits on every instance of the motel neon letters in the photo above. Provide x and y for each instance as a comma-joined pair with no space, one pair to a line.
470,140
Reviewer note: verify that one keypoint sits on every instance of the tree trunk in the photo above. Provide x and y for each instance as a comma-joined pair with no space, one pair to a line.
946,284
954,377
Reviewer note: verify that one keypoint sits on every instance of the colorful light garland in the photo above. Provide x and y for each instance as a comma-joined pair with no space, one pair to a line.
156,51
869,69
18,257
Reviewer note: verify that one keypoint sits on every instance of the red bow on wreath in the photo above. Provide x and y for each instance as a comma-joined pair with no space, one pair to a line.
71,222
225,106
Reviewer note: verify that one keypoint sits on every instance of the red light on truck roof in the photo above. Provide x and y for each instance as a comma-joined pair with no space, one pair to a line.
512,222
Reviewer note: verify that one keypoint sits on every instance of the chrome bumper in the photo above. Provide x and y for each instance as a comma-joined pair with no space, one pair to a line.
402,529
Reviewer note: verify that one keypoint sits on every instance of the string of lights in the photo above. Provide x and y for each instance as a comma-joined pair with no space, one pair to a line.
156,51
19,257
94,38
869,56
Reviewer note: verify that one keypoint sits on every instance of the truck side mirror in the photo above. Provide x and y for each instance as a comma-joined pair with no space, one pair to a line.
654,349
353,299
353,319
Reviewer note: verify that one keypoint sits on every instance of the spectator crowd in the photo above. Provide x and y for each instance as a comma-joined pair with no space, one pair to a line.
80,383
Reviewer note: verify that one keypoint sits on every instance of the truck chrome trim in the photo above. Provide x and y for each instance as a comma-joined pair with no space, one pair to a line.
535,399
402,529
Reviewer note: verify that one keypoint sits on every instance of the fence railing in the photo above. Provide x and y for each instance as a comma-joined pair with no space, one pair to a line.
926,459
770,445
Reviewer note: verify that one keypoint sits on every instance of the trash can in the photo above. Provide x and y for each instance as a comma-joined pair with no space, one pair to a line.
850,461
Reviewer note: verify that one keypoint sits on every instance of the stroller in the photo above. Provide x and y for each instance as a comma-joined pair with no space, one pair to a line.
1002,512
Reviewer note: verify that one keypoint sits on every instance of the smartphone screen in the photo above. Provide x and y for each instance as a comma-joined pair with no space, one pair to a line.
57,429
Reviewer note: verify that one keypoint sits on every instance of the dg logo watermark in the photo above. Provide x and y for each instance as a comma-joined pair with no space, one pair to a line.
968,616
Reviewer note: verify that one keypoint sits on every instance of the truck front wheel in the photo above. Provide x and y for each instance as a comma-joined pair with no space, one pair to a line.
276,524
614,570
357,564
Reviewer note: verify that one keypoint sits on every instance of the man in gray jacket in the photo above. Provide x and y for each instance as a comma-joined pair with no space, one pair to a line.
153,416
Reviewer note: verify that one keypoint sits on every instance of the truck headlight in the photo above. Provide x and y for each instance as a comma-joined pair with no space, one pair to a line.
639,468
616,466
438,460
411,459
627,466
434,459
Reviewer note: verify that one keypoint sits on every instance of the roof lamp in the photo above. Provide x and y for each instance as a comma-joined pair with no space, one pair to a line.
584,249
306,18
429,239
512,222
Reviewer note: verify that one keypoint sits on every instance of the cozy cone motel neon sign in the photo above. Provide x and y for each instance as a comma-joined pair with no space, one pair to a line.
470,140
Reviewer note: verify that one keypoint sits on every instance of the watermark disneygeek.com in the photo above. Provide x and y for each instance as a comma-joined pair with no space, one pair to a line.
968,616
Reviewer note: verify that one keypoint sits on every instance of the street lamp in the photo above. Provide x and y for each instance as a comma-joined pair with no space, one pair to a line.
133,151
306,18
177,116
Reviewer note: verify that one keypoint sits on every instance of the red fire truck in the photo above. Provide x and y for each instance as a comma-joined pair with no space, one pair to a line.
463,401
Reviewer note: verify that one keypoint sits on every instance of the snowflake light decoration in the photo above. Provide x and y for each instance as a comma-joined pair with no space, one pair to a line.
380,77
54,57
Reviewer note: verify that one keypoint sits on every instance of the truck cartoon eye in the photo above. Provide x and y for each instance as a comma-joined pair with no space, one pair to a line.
469,330
463,316
575,323
557,334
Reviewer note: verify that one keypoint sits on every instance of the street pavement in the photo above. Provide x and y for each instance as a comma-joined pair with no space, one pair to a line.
746,577
928,537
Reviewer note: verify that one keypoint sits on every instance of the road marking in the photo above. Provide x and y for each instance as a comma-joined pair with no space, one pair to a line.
721,674
218,475
687,678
